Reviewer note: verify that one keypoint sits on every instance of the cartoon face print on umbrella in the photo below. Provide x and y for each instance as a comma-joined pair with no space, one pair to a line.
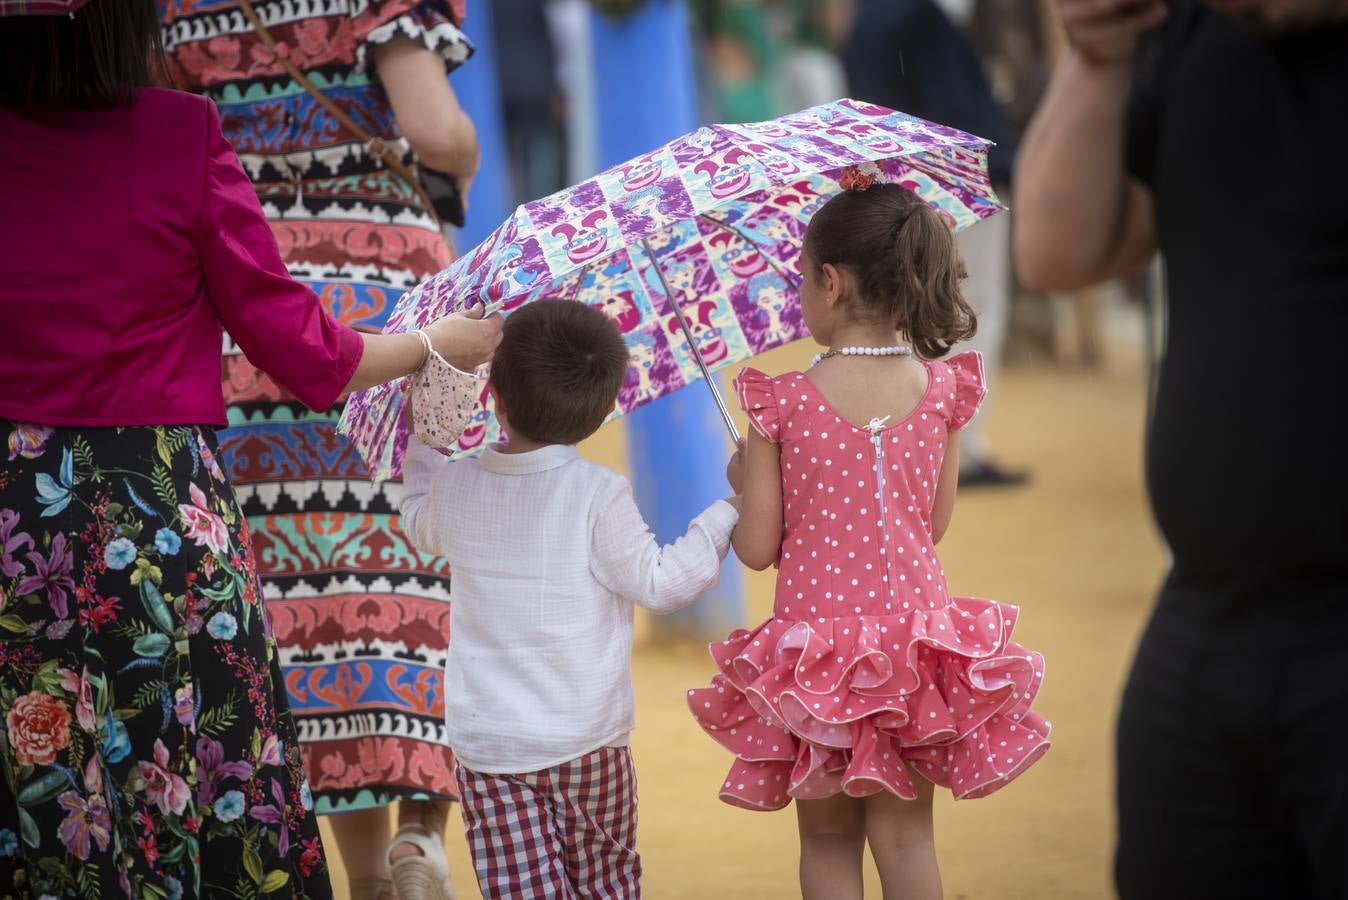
564,205
649,209
652,372
618,290
520,268
698,145
482,427
772,316
725,176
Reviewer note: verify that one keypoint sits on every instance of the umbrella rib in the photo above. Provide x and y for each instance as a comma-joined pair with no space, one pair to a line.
787,276
692,345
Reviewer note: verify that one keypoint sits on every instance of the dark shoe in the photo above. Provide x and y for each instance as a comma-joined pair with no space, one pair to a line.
987,474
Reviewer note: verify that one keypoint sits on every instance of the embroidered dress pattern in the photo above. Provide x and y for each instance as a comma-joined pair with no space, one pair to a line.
361,617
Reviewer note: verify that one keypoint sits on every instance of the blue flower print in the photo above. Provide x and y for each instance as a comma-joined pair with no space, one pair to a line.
174,887
222,626
167,542
9,842
230,806
306,796
119,554
53,494
116,742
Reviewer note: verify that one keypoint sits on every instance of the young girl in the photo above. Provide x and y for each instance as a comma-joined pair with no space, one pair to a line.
870,683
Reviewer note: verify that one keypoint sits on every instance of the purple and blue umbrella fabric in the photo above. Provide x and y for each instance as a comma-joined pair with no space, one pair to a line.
721,211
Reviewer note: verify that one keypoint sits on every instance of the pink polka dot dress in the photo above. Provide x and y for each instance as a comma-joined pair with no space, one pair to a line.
868,665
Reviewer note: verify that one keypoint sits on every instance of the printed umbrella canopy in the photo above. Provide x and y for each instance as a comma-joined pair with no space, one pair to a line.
713,220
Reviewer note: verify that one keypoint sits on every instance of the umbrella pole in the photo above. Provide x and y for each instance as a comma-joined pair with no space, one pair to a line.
692,345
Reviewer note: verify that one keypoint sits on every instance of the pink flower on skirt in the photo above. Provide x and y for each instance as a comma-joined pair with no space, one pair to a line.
84,696
202,525
163,788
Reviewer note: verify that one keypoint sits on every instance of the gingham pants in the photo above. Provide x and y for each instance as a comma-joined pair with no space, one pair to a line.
566,832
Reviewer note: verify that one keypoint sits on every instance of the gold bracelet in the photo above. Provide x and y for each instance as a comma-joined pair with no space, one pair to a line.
426,350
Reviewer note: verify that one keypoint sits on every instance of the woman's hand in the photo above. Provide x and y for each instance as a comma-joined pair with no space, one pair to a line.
466,340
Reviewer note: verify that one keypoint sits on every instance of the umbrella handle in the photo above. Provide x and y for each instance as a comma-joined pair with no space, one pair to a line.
692,346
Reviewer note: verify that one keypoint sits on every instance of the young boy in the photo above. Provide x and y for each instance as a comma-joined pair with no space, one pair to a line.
550,554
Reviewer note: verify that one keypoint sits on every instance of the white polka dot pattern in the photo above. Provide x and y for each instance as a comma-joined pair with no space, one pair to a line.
868,666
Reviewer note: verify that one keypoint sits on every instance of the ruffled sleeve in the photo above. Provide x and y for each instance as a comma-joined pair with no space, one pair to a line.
435,24
757,394
966,394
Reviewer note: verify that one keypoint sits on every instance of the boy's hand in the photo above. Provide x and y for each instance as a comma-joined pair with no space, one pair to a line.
734,470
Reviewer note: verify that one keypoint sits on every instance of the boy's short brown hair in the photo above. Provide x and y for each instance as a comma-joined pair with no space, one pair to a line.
558,370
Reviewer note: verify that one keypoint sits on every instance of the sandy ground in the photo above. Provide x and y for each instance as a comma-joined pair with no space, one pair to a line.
1076,551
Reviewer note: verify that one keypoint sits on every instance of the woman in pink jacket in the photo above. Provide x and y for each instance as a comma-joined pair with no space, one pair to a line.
147,746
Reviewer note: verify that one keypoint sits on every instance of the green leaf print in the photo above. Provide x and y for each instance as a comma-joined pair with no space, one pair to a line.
152,646
83,455
216,720
162,482
28,828
13,623
275,880
252,864
40,790
155,607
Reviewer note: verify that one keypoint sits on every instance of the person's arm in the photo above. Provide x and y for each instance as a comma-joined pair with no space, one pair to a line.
422,527
281,325
426,109
758,536
627,560
943,507
1080,219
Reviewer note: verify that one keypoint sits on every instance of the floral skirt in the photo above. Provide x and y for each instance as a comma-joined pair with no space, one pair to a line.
147,746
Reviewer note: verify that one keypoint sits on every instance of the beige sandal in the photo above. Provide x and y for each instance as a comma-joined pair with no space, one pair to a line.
377,888
424,877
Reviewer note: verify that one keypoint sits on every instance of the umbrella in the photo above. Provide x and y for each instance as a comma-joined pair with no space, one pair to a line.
713,219
40,7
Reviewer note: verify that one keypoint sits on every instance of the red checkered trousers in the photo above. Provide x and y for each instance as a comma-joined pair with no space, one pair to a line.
568,831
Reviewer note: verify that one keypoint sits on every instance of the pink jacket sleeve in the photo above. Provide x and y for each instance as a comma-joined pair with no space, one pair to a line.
281,325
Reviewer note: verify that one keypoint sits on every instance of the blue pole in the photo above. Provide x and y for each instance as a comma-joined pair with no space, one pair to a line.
489,200
646,96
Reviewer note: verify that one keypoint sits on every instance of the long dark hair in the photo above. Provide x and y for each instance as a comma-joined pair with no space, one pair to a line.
901,258
96,59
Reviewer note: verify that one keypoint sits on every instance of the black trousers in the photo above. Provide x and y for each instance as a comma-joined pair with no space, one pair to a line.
1233,747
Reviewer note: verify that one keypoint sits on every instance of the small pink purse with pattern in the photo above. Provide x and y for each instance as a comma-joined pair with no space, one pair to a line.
443,400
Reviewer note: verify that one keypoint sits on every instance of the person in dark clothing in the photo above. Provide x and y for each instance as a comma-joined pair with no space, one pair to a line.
531,97
1214,132
908,55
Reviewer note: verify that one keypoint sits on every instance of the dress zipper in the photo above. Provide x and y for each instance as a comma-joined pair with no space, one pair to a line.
875,426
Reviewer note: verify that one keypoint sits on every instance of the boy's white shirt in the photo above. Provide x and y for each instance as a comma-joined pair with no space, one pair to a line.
548,553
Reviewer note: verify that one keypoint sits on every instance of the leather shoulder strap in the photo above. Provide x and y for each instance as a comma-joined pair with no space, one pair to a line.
375,144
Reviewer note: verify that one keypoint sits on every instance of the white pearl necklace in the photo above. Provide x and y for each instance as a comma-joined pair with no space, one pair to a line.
898,350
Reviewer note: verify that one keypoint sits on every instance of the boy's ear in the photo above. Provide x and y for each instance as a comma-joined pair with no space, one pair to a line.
496,399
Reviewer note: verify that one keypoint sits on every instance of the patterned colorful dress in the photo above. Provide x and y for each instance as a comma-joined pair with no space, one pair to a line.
361,618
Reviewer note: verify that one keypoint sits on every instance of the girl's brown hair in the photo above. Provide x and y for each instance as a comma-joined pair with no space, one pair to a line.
901,257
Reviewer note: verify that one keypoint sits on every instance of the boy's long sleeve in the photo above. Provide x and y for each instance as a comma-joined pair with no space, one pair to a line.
627,560
419,522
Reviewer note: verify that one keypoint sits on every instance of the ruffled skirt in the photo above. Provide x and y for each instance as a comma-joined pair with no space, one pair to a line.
812,708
